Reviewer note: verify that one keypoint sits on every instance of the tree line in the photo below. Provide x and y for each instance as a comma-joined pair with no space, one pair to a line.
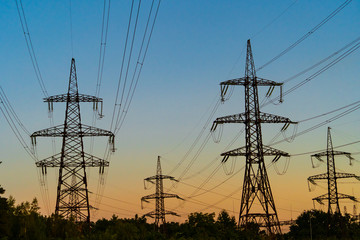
24,221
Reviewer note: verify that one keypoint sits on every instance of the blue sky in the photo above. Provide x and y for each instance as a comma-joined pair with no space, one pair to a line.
195,46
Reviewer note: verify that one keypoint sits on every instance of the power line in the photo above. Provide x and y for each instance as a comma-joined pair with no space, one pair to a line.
321,61
30,46
356,107
317,73
122,65
313,30
198,137
139,63
274,20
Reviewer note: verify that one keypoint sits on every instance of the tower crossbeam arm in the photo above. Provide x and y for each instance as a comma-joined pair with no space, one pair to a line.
163,195
325,196
167,212
268,151
153,214
150,179
321,176
241,118
72,98
347,175
58,131
345,196
86,131
55,161
242,81
325,153
320,198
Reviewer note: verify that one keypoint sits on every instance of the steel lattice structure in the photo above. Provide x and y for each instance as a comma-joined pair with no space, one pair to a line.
72,191
256,186
159,196
332,196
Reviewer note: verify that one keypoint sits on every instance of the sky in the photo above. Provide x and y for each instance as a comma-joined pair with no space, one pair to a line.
195,45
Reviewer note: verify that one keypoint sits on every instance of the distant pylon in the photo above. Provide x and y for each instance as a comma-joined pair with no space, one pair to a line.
72,199
332,196
256,186
159,196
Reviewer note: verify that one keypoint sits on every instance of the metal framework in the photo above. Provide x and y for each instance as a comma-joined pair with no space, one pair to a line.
72,191
256,186
332,196
159,196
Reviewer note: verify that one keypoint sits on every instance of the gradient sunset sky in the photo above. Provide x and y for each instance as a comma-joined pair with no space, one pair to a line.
195,45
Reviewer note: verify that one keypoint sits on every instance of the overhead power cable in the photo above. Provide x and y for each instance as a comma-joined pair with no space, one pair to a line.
122,65
321,61
103,41
30,46
128,65
14,121
317,73
317,116
260,31
274,20
313,30
138,68
208,121
340,115
340,146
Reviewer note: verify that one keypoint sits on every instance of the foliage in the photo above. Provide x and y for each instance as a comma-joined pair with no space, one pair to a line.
23,221
320,225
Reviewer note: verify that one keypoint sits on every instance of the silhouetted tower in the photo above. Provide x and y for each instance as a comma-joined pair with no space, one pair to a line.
159,196
72,191
256,186
332,196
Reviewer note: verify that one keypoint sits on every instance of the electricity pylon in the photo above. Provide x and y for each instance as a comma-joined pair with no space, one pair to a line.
332,196
256,186
159,196
72,191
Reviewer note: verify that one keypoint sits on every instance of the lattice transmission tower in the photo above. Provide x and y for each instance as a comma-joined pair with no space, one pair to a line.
256,185
159,196
332,196
72,199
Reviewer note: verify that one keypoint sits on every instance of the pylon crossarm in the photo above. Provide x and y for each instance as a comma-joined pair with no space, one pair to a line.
151,196
268,151
169,195
259,82
72,98
150,214
345,196
86,131
171,213
317,177
324,154
320,198
241,118
149,179
55,161
347,175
